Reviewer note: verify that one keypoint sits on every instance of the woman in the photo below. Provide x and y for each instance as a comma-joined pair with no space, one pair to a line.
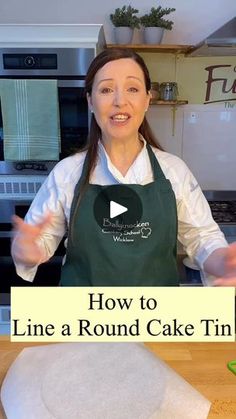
121,151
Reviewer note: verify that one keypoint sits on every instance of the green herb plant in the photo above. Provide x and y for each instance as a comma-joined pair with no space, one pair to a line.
125,16
155,18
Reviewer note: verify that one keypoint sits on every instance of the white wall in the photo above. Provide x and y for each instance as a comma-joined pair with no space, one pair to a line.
194,19
204,137
209,145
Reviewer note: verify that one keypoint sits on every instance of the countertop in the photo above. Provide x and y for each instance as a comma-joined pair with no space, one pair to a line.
203,365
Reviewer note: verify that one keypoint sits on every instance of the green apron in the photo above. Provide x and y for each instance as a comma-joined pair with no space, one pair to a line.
147,258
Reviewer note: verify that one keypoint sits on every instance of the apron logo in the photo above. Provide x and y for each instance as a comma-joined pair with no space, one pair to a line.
145,232
122,233
116,226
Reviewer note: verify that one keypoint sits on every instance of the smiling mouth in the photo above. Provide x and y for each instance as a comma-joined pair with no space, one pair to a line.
120,118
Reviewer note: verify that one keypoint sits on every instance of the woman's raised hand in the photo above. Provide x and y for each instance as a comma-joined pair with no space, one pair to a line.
26,240
229,279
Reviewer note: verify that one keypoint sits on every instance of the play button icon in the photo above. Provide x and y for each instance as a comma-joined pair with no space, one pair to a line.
117,208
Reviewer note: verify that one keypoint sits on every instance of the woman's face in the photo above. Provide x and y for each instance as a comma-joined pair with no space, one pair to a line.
119,99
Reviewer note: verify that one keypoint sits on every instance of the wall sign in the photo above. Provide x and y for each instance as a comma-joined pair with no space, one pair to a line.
219,85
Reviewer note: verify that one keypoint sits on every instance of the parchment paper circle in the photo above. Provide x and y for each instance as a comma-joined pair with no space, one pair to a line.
107,381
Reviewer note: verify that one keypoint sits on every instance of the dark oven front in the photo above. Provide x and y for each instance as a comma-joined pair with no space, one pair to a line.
48,274
68,66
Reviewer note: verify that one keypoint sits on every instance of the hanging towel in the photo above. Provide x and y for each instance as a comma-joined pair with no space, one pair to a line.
30,113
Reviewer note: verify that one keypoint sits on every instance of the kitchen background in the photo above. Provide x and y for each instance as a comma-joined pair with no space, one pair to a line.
202,134
192,21
202,131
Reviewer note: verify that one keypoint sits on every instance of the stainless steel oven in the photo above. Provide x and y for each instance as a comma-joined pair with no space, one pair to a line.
20,180
48,274
68,66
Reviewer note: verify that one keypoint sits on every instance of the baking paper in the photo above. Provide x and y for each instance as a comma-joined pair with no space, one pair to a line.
97,381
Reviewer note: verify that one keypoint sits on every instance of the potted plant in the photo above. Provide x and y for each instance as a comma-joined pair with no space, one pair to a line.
154,24
125,21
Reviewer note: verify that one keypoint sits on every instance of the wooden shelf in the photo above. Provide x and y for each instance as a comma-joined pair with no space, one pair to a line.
168,102
161,48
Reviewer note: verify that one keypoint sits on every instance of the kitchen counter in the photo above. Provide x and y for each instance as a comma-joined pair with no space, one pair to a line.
203,365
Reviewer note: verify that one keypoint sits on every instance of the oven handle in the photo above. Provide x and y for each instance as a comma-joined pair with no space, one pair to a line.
70,83
6,234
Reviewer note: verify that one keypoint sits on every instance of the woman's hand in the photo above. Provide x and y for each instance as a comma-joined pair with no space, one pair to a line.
229,278
25,247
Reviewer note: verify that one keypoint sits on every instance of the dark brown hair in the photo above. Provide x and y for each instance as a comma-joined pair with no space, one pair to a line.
95,132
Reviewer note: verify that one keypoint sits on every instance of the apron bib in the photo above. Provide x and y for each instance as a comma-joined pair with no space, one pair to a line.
143,256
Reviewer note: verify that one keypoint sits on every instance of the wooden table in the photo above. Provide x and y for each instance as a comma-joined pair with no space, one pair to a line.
203,365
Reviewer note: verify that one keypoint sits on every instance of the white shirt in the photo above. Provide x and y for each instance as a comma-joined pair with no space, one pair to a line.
197,231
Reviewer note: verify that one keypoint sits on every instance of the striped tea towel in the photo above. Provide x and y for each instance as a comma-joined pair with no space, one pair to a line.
30,114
